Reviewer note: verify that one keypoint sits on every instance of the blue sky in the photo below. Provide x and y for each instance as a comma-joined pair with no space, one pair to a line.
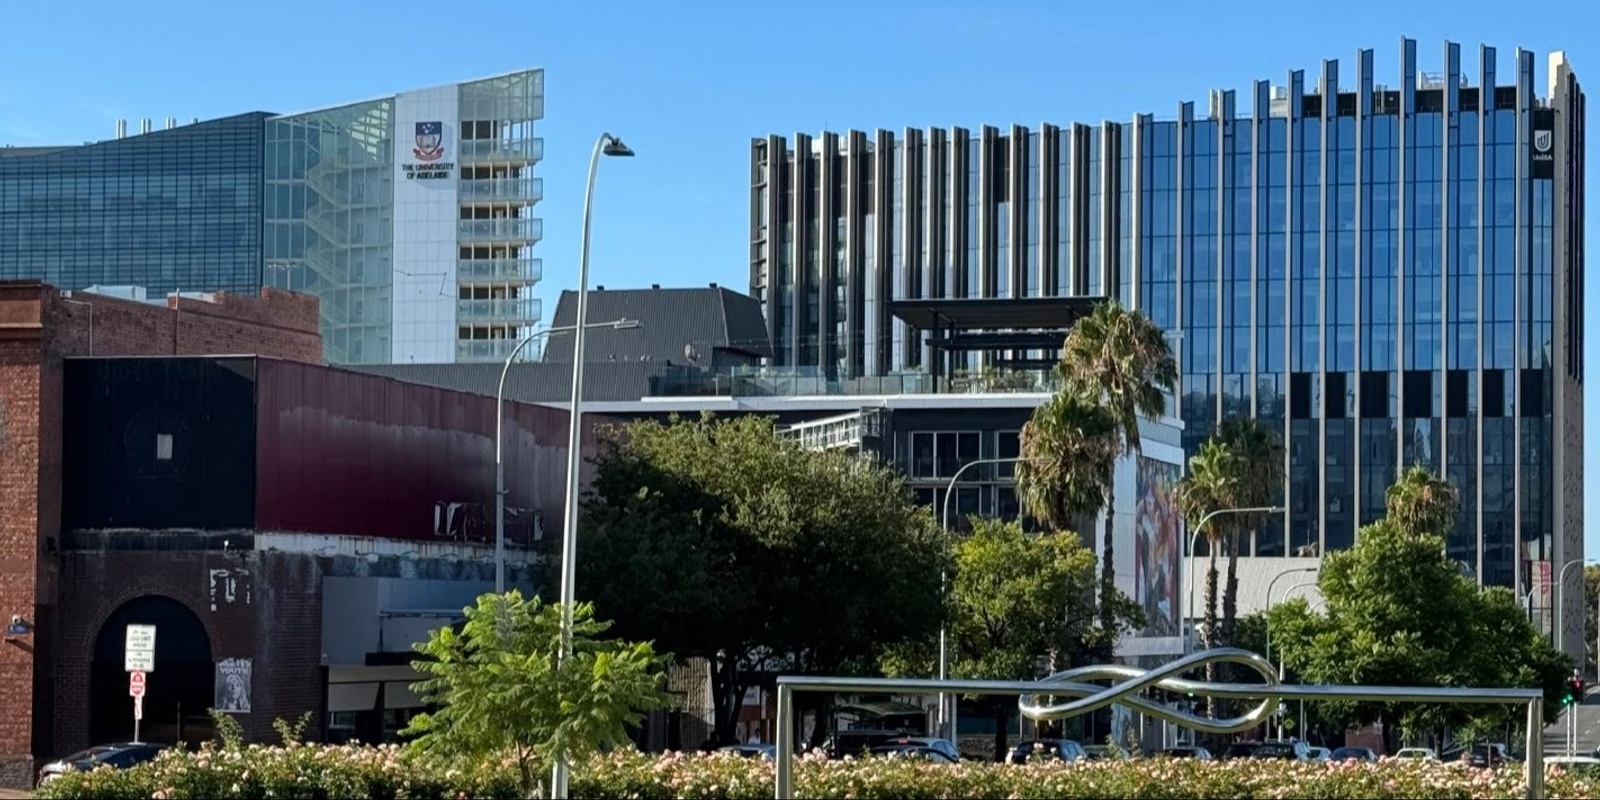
688,84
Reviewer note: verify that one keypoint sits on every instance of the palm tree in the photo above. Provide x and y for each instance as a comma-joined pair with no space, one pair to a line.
1120,359
1210,485
1420,503
1258,460
1069,452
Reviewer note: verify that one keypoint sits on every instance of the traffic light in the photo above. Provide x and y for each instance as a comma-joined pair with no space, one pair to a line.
1574,693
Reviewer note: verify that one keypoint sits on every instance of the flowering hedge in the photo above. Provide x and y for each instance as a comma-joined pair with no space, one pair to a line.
313,771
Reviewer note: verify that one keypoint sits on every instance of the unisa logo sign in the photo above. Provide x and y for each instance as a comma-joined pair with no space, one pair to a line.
1544,141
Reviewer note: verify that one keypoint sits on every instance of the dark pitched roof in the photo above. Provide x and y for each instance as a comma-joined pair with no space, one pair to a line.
529,381
670,320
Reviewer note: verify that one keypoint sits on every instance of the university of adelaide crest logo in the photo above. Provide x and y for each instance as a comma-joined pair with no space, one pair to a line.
1543,141
430,141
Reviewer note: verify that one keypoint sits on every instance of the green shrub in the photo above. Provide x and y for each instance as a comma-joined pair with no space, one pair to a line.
388,773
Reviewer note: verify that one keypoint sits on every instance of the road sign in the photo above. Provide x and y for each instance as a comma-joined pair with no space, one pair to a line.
136,685
139,649
138,711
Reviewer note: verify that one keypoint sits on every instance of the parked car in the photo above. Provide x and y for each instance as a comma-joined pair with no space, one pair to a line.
1417,753
1240,750
1196,753
1283,751
915,751
1321,755
766,751
1104,752
1064,749
1587,766
116,756
1490,756
942,746
1353,754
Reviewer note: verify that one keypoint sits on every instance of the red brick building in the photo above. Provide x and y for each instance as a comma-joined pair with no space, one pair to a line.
39,328
291,529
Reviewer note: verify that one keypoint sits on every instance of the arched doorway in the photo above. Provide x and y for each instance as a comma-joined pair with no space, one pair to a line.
178,693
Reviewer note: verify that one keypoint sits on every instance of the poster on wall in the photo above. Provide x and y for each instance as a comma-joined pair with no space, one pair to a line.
425,149
233,686
1156,547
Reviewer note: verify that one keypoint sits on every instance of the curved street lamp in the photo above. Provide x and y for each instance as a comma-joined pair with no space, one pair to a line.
499,441
946,715
606,145
1194,537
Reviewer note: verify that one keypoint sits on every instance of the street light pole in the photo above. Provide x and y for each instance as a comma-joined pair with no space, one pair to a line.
1559,633
1270,587
499,443
606,145
1286,593
1200,528
946,717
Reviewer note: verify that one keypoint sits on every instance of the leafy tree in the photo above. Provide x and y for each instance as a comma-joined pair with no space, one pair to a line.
1120,360
1013,598
500,688
1399,612
724,542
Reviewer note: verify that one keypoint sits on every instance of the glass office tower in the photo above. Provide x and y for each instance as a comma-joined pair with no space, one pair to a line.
176,209
411,217
1391,274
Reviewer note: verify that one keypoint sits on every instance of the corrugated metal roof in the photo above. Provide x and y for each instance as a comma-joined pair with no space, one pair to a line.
672,323
529,382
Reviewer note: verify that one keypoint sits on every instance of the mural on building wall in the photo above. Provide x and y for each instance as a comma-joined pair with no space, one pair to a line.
1156,548
233,686
226,587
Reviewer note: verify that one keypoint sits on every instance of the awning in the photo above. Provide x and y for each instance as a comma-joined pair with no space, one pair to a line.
352,696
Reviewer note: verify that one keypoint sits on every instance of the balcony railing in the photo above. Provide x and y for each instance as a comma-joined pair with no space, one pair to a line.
795,382
500,230
528,190
472,150
513,311
500,270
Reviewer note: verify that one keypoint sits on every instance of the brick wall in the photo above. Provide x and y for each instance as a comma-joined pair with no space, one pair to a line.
38,328
275,619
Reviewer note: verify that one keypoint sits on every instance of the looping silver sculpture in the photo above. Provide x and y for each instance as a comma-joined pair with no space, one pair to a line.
1133,680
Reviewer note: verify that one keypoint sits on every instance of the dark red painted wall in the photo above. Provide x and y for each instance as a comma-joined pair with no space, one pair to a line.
347,453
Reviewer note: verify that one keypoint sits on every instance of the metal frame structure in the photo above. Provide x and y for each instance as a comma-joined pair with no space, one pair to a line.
1133,681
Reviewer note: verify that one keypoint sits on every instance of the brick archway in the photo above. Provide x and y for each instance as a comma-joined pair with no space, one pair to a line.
179,691
83,618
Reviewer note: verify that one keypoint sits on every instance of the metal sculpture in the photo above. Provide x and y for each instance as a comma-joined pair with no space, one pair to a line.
1133,681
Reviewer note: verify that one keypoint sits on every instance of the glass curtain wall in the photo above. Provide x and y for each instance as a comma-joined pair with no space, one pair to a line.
329,228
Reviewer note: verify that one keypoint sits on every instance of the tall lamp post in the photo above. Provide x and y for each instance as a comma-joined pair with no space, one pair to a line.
946,718
1286,593
606,145
1560,634
499,442
1272,585
1193,537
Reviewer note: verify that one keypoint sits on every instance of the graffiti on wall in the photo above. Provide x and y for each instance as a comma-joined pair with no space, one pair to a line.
226,587
474,522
